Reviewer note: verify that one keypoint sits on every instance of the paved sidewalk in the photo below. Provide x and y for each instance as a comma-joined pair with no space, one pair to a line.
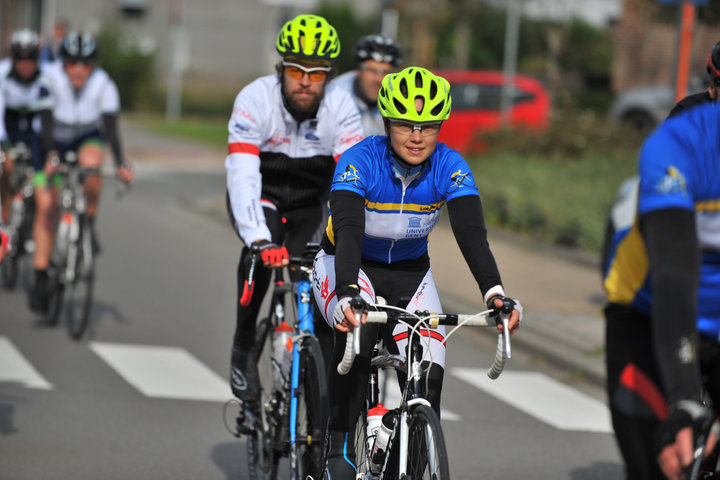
559,288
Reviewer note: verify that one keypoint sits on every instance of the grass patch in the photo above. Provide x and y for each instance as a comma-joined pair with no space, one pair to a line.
207,130
565,203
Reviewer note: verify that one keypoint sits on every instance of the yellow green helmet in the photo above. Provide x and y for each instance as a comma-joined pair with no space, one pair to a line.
399,91
308,37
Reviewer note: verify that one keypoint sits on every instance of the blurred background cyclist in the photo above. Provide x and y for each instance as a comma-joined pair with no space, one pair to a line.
87,104
375,56
26,104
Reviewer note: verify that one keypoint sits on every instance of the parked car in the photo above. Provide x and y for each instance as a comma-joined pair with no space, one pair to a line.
645,107
476,97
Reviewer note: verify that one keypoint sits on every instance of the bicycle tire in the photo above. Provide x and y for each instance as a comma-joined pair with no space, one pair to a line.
312,412
427,454
262,455
362,454
79,291
10,271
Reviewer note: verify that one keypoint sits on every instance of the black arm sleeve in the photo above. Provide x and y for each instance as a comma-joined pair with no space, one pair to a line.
468,226
674,256
348,222
47,122
111,131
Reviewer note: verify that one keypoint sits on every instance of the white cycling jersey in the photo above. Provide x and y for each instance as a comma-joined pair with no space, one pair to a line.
19,101
78,112
372,120
274,159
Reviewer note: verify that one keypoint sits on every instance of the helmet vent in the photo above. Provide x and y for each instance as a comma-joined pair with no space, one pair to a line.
438,108
399,106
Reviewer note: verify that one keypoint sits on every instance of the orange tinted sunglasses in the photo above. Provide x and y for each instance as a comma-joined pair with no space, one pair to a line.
297,72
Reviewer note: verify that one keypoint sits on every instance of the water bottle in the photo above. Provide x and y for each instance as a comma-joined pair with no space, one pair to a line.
382,438
281,335
374,420
287,358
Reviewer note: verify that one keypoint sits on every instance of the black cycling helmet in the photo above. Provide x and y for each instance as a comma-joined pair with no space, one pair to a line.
78,47
24,44
380,48
713,63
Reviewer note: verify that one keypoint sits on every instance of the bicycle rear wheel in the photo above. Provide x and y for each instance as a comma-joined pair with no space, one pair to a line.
427,455
312,412
261,453
80,278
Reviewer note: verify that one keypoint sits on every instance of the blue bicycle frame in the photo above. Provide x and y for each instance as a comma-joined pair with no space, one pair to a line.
303,294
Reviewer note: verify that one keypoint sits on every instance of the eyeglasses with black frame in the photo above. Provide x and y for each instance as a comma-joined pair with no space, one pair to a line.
317,74
406,128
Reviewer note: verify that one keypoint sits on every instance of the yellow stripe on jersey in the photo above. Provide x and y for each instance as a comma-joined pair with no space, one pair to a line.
708,206
329,231
406,207
628,269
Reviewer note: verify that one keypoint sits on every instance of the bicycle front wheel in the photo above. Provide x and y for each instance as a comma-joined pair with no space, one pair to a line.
427,455
262,455
312,412
80,279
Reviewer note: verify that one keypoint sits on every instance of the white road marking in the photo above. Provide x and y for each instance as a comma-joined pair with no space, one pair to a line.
164,372
14,368
543,398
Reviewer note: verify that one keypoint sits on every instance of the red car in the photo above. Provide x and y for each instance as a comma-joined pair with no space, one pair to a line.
476,106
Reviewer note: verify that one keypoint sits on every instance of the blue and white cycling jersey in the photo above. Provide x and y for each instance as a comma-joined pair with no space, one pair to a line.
679,168
401,208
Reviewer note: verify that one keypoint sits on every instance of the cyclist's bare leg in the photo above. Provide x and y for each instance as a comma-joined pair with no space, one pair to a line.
45,212
5,188
90,156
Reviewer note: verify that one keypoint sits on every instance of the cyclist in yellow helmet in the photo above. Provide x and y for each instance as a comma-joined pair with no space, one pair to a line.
386,196
284,137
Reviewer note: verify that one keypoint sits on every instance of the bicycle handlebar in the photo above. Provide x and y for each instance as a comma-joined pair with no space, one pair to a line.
487,318
302,262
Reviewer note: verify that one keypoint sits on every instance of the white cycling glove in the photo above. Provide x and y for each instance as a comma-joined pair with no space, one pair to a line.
339,310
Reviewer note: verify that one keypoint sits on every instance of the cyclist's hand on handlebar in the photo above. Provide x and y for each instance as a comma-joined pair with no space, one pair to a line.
125,172
676,436
272,255
508,306
344,315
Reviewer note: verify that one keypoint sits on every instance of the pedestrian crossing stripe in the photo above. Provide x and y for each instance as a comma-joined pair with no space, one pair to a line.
538,395
164,372
14,368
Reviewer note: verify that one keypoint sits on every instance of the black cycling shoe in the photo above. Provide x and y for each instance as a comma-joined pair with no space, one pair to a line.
340,449
244,378
39,301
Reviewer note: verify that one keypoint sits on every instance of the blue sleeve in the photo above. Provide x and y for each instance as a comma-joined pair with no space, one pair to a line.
454,177
353,170
666,176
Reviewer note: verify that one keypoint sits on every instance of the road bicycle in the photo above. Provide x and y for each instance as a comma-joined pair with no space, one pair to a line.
413,446
291,418
72,262
22,213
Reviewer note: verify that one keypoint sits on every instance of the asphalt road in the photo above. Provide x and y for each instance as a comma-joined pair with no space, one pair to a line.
143,397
